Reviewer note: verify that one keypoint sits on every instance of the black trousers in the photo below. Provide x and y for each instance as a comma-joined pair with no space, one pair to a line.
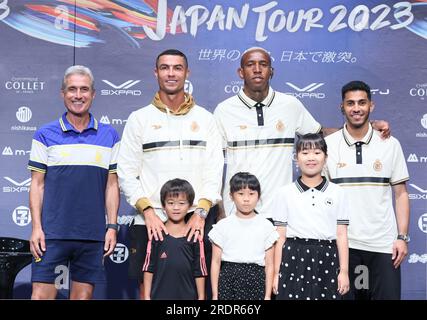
211,219
372,276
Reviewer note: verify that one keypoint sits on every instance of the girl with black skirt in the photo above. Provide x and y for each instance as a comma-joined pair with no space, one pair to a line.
242,246
311,255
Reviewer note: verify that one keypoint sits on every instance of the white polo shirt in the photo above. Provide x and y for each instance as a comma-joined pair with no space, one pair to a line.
244,240
260,140
368,168
312,213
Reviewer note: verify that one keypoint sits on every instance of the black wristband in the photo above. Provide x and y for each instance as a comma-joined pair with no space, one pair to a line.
146,208
114,226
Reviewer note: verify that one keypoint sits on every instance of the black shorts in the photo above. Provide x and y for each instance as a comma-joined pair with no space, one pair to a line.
138,248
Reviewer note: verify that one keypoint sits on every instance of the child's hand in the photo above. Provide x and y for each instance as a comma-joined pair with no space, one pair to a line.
343,283
276,283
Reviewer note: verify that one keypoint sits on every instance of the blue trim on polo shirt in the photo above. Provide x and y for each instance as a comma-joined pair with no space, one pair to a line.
60,132
37,166
67,126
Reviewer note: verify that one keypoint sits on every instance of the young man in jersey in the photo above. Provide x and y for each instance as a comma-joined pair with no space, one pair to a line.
373,170
170,138
258,126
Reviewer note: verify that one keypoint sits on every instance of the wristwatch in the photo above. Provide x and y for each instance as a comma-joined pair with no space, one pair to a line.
201,212
404,237
114,226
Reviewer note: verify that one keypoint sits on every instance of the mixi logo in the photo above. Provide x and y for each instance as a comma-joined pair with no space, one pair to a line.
21,216
307,91
8,151
106,120
413,157
26,85
120,253
123,89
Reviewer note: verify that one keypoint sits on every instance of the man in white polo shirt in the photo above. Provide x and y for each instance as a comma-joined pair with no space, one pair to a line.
258,126
372,169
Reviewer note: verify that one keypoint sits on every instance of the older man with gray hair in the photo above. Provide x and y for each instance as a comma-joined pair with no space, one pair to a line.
73,188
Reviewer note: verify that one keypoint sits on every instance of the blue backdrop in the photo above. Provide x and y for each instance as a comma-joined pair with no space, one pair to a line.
317,46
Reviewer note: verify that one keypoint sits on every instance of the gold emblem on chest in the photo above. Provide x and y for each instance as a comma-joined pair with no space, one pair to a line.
194,126
280,126
378,166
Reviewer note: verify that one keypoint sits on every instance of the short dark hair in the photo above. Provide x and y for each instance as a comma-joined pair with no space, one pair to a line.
251,49
243,180
355,86
311,141
172,52
173,188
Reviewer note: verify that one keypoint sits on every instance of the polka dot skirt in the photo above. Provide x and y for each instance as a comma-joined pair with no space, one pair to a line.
308,270
241,281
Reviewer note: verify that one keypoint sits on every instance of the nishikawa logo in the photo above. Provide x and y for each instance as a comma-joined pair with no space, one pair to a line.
24,114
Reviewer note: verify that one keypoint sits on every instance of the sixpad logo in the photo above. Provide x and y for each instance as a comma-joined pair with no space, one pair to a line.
309,91
17,186
421,195
21,216
123,89
120,253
